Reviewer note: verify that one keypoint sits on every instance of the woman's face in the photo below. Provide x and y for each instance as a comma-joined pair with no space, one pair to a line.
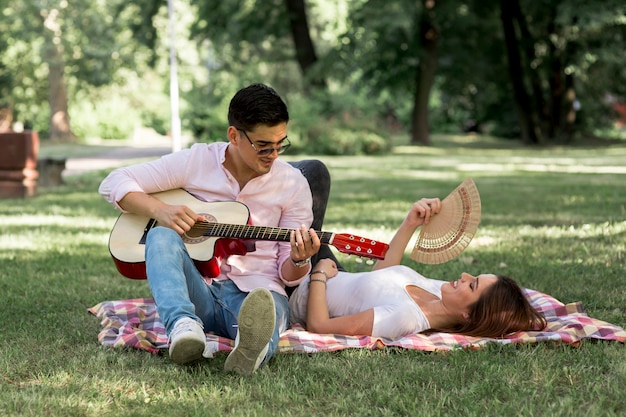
465,291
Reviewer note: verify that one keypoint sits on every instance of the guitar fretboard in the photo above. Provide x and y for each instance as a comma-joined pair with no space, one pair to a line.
252,232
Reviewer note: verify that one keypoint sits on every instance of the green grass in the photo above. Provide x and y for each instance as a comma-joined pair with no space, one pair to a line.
554,219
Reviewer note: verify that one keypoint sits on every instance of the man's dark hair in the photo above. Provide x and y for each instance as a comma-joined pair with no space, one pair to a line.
257,104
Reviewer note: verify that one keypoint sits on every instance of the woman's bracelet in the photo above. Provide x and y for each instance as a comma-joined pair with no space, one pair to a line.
318,280
319,271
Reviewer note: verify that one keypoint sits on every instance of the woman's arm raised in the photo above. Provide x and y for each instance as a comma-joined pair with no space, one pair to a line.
420,213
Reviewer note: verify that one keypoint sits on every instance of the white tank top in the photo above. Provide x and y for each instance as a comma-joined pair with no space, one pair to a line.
395,313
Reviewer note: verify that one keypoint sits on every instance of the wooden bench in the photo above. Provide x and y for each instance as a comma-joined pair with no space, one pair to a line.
18,164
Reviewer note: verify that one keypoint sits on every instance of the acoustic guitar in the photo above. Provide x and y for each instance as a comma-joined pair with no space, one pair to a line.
225,232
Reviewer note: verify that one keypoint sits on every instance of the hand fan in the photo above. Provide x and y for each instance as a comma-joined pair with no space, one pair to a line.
448,233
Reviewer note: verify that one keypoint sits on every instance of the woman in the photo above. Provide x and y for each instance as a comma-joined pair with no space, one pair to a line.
393,300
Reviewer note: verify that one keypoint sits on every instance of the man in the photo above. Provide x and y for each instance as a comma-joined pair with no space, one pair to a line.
246,301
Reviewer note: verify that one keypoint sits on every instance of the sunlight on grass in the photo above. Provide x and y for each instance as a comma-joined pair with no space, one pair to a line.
484,241
548,167
465,141
44,243
552,218
425,174
9,241
575,232
44,233
419,150
64,221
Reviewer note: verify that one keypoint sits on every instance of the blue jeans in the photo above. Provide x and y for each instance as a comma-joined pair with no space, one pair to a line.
180,291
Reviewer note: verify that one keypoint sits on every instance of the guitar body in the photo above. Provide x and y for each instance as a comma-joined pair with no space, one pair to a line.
127,239
225,232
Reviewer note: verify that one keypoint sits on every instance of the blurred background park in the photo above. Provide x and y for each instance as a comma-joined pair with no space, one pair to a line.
359,76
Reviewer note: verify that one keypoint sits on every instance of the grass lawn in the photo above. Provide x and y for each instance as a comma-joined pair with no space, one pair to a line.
554,219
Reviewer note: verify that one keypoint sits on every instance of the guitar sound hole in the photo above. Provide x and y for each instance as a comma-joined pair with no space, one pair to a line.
196,233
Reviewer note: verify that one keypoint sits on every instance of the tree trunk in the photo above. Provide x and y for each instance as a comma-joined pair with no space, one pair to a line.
428,36
305,51
554,121
570,107
557,93
570,103
562,92
6,118
59,116
539,113
528,127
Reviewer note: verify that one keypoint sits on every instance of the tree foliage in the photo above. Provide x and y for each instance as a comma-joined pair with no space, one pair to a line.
539,70
57,48
553,46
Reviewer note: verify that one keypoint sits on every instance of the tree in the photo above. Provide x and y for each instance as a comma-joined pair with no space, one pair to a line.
56,49
51,23
247,32
549,45
510,15
428,39
395,54
305,50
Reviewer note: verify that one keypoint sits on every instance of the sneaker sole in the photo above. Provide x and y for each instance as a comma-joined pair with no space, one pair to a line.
187,351
257,319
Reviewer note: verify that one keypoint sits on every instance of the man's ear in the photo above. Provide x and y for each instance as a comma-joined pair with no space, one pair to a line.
233,134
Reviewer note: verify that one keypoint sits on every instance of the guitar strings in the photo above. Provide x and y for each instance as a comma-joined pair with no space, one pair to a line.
251,232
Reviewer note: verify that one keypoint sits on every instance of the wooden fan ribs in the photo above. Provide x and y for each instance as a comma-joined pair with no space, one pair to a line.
448,234
458,233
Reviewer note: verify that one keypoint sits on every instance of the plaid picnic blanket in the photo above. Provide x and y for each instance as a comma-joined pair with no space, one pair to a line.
135,323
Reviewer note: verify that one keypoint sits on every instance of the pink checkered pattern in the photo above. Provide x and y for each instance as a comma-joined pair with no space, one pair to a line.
135,323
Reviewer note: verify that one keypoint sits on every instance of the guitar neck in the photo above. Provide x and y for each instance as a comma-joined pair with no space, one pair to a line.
253,232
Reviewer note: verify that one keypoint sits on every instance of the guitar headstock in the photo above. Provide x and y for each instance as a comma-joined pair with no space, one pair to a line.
359,246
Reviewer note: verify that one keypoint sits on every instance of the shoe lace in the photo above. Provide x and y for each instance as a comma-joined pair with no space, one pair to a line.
184,325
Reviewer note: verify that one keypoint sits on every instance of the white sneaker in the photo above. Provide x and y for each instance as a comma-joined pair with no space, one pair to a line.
187,341
256,320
